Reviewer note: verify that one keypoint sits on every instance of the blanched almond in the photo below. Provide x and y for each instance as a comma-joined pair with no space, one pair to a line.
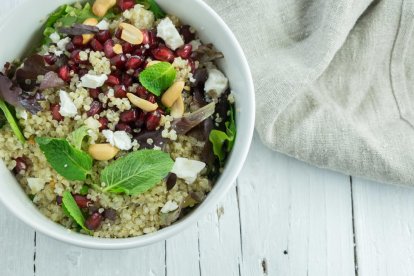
177,109
131,34
117,49
90,22
103,152
141,103
172,94
101,7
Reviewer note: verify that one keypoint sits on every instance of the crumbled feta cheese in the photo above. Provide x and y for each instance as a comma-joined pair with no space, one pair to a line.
21,113
140,17
54,37
61,44
119,139
92,123
169,206
216,83
67,107
167,31
92,81
83,56
195,44
36,184
103,25
187,169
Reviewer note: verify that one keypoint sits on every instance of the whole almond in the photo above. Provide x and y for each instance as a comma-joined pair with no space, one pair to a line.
145,105
103,152
172,94
101,7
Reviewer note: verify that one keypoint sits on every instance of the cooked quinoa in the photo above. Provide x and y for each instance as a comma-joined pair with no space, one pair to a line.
131,215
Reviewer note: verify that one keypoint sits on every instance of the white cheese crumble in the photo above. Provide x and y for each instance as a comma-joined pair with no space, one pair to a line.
216,83
92,81
92,123
67,107
119,139
21,113
167,31
187,169
61,44
103,25
195,44
169,206
54,37
36,184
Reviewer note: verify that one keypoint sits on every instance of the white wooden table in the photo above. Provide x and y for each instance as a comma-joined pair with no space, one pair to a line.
283,218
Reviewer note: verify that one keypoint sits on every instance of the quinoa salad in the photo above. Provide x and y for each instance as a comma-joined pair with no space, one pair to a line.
119,122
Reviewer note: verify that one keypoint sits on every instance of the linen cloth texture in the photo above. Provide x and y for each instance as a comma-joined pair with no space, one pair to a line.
334,81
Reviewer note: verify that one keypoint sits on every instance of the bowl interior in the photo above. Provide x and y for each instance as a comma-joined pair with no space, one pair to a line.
22,34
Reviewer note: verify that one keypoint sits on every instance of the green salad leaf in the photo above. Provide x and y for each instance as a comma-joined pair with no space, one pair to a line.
70,162
158,77
12,121
72,210
137,172
223,142
84,190
154,7
76,138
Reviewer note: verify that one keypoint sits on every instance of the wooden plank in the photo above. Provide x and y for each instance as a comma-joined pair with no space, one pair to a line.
57,258
17,245
384,227
295,219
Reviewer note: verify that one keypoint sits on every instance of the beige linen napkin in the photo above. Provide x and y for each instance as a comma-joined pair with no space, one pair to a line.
334,80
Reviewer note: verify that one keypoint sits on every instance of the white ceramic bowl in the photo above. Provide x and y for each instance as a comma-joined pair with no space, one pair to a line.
18,29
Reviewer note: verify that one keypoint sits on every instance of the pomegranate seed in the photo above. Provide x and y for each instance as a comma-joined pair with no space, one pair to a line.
94,93
186,33
192,65
140,121
96,108
118,61
50,59
120,91
150,38
103,36
126,80
134,62
108,48
142,92
127,48
125,4
118,33
151,98
82,72
123,127
185,51
82,201
21,165
70,47
153,120
96,45
163,53
64,73
75,56
112,80
129,116
109,214
55,108
104,123
142,52
59,200
77,40
94,221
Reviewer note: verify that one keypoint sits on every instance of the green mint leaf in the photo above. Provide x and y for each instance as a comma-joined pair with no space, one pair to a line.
76,138
154,7
68,161
158,77
72,210
137,172
84,190
12,121
223,142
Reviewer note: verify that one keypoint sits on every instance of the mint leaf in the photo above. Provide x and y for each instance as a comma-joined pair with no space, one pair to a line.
153,6
223,142
72,210
76,138
12,121
84,190
137,172
158,77
68,161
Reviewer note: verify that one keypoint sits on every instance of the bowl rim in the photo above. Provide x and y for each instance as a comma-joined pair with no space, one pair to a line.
217,194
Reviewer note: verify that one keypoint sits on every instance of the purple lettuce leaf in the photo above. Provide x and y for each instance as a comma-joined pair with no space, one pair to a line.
79,29
51,80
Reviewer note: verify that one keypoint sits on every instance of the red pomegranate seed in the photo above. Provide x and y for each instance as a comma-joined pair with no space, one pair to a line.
142,52
134,62
129,116
59,200
73,66
96,108
126,80
104,123
186,33
150,38
75,56
112,80
94,93
125,4
64,73
82,72
120,91
103,36
77,40
118,61
96,45
123,127
192,65
163,53
108,48
21,165
140,121
82,201
110,214
55,108
152,120
50,59
151,98
94,221
127,48
118,33
142,92
185,51
70,47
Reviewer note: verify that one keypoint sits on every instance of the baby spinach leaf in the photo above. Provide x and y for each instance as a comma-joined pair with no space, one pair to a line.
137,172
158,77
70,162
72,210
223,142
153,6
76,138
12,121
